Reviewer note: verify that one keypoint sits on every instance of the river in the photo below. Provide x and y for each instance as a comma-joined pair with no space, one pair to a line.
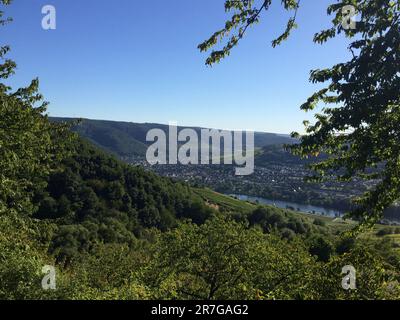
291,205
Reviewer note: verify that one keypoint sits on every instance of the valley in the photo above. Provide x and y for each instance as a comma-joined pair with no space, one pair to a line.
278,175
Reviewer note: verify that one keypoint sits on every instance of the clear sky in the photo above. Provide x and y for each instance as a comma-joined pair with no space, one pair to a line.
138,61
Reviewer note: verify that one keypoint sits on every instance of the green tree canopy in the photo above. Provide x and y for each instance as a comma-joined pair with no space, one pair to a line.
223,259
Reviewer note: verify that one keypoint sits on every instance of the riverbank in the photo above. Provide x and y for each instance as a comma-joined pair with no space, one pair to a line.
310,209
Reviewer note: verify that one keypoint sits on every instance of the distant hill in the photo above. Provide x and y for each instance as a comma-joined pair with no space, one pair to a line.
128,139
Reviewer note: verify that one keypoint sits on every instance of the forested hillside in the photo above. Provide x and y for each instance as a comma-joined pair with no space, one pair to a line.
128,140
93,197
114,231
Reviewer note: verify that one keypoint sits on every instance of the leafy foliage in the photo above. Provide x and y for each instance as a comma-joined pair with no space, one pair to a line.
94,197
245,13
222,259
361,133
30,146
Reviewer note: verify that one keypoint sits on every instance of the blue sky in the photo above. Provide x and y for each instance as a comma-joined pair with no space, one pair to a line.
138,61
